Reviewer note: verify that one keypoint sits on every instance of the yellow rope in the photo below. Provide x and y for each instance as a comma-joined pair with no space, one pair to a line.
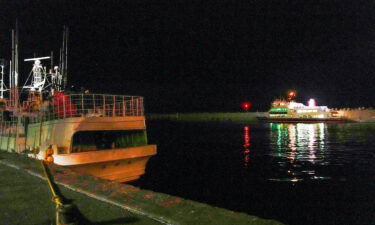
55,198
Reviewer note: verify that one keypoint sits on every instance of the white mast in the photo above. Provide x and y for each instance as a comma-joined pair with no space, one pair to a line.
16,58
3,88
62,70
10,73
64,57
13,81
2,83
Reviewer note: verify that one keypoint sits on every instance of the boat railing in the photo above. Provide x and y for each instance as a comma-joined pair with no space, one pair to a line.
89,105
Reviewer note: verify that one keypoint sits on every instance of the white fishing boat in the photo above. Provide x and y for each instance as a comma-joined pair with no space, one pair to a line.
96,134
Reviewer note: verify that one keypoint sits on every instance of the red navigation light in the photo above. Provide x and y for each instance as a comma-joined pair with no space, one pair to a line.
292,94
246,106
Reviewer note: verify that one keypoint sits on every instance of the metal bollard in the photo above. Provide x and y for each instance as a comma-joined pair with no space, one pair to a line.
66,214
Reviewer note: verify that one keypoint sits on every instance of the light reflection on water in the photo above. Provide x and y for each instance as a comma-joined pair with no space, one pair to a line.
305,152
296,144
246,146
303,142
288,172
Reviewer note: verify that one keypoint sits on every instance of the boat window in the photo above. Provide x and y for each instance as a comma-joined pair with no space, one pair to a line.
7,116
85,141
279,112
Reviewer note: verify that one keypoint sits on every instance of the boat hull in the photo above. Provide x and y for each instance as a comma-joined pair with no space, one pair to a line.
122,165
302,120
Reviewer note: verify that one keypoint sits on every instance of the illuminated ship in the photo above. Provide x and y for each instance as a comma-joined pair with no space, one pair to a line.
95,134
289,111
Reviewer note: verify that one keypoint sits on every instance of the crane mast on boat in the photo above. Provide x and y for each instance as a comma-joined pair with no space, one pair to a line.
13,75
3,87
40,80
64,59
55,79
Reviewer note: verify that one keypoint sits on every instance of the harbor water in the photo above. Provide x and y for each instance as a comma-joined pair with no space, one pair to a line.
294,173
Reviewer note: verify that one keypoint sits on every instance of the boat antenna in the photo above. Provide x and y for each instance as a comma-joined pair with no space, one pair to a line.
11,70
65,56
62,55
63,61
16,59
51,59
13,81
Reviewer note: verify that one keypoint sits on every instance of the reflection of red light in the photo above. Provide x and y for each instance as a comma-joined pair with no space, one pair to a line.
246,106
246,145
246,136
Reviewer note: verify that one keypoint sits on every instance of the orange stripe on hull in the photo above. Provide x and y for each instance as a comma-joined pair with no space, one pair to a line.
120,165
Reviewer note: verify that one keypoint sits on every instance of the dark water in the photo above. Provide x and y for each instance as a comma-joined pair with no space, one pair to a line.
296,173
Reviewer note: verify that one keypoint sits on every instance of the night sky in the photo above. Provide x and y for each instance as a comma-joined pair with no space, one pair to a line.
196,56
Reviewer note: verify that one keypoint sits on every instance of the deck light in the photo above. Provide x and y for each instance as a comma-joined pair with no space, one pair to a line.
312,102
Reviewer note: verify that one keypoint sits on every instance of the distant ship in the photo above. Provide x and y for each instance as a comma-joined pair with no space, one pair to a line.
289,111
96,134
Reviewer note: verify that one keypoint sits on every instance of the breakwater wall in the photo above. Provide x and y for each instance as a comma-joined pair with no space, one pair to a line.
215,116
358,115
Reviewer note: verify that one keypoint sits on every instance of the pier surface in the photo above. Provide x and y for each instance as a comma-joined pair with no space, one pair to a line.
25,198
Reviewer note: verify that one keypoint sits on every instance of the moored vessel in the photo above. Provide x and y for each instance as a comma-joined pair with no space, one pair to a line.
290,111
96,134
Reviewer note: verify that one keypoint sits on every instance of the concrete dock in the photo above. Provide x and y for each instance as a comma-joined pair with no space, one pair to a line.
25,198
